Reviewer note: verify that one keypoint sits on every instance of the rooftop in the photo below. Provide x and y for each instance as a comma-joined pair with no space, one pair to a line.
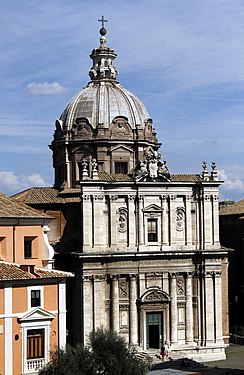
12,271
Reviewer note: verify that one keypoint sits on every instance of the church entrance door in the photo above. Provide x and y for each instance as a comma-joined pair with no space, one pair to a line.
154,331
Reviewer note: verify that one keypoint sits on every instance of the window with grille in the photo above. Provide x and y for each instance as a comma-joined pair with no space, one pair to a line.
35,343
152,230
35,298
121,167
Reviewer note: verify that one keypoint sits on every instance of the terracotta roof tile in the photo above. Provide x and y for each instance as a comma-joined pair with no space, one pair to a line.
186,178
47,195
12,271
10,208
233,209
39,195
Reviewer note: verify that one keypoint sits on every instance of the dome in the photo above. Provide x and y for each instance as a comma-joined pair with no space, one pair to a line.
100,102
103,98
103,129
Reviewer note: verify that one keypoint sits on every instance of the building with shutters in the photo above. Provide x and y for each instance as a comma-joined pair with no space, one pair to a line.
32,294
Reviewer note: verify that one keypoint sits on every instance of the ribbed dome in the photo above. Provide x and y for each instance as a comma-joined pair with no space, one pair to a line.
101,102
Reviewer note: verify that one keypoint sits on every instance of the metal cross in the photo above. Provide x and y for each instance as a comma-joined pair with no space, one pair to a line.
102,20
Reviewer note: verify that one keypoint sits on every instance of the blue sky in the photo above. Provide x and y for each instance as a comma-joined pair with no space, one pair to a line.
183,58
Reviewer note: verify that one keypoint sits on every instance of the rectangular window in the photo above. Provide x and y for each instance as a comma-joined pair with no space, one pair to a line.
35,298
35,343
27,248
121,167
152,230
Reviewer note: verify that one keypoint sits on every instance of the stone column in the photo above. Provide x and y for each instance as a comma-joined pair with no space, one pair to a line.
207,224
218,307
113,218
165,221
99,227
133,311
216,219
140,221
68,171
115,303
173,310
87,306
189,309
131,221
99,301
209,307
172,220
87,221
188,228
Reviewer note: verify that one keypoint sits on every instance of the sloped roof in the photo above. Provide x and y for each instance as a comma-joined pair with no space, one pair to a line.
186,178
174,177
10,208
233,209
12,271
38,195
47,195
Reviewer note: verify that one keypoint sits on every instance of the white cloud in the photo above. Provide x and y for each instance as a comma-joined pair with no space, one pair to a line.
45,88
233,187
10,183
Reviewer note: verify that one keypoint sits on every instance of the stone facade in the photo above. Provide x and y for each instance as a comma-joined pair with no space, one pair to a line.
147,257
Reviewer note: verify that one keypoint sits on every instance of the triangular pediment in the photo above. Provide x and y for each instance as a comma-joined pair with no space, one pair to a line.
152,208
36,314
121,148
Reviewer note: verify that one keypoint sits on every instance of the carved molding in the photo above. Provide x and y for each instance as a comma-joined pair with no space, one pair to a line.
123,289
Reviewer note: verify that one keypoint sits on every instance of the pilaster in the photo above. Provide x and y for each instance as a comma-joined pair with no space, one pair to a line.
115,303
172,220
173,309
218,307
133,310
209,307
189,309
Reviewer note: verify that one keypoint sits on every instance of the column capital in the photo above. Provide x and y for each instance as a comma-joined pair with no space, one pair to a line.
86,197
99,277
133,276
164,197
87,278
207,197
98,197
114,277
188,197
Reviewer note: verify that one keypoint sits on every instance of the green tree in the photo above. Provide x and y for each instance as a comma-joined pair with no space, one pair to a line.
107,353
70,361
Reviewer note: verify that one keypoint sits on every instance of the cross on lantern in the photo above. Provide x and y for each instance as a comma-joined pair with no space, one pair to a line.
103,21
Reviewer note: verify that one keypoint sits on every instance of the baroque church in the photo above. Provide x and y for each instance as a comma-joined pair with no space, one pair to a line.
143,242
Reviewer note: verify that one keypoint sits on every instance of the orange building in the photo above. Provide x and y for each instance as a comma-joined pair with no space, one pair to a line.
32,294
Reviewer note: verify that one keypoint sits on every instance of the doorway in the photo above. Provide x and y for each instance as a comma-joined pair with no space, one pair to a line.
154,330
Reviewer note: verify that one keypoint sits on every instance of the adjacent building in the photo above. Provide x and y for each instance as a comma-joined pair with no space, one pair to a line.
32,294
232,236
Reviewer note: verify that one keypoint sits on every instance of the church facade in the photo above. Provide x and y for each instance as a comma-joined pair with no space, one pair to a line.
147,259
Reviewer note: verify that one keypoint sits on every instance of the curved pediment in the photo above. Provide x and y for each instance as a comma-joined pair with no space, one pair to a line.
120,128
155,296
82,128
